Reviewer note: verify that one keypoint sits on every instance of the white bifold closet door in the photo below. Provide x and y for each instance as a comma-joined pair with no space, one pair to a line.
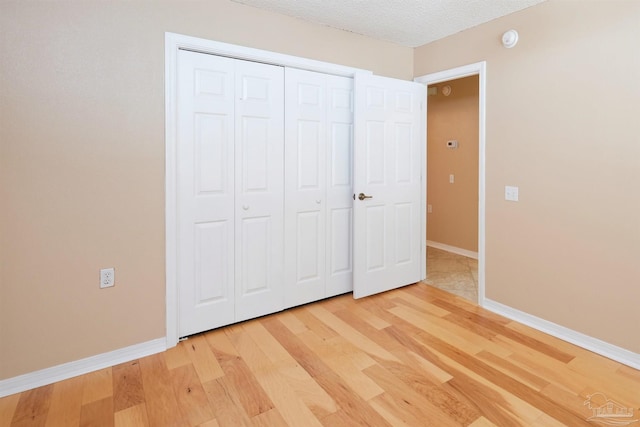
265,197
230,190
318,186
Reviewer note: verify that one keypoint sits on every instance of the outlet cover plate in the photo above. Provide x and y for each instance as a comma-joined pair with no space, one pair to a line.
107,277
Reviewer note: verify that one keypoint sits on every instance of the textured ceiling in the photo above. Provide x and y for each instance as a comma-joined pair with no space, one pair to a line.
409,23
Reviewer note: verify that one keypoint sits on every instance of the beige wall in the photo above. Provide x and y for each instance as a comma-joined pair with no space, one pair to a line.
82,161
562,124
454,218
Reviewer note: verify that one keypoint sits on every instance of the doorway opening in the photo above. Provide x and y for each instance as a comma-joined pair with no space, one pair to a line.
456,180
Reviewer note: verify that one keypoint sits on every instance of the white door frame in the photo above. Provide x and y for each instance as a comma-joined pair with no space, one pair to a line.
174,42
479,69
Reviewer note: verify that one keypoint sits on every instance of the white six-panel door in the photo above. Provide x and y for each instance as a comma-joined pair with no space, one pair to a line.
388,221
318,202
230,190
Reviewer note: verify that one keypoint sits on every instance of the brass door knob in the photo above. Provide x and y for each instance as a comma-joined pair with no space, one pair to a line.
363,196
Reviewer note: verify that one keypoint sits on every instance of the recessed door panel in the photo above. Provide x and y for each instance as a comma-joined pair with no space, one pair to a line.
256,255
403,235
376,98
376,226
403,153
310,156
211,261
340,241
310,94
309,245
341,158
404,102
375,160
341,94
255,88
211,145
254,139
211,83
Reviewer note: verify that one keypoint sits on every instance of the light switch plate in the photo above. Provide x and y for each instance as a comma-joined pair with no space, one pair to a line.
511,193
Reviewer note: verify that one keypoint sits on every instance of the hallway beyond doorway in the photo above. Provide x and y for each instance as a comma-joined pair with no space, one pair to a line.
453,273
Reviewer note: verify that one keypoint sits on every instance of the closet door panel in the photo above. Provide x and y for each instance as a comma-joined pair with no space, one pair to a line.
205,183
259,190
305,187
339,185
318,187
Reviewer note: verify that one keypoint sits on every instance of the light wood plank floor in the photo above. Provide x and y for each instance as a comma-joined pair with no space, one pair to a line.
416,356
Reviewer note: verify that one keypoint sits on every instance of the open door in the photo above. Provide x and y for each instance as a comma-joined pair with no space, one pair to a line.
389,220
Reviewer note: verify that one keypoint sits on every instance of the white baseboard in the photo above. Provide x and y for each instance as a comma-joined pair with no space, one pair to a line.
453,249
602,348
73,369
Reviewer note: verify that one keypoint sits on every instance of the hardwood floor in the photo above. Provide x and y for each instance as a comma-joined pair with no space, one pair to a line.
415,356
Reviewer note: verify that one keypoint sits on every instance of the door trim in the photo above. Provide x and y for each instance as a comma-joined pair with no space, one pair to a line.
479,69
173,43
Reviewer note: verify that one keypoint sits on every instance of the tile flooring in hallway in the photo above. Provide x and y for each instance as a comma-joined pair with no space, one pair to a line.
453,273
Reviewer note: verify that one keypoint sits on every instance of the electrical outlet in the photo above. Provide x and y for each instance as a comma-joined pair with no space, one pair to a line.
429,208
107,277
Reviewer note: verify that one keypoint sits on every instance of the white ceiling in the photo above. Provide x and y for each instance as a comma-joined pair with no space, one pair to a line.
409,23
